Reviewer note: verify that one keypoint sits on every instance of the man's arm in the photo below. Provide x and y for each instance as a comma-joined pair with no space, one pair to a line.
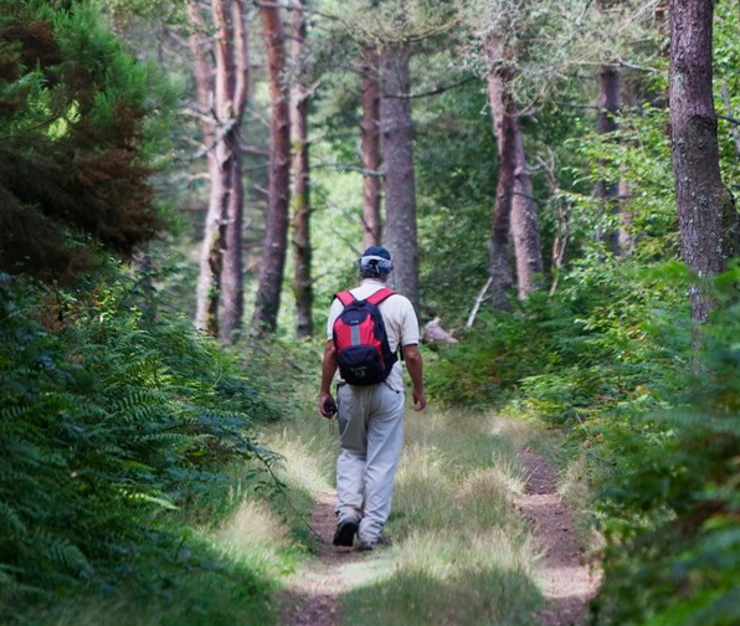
328,368
415,366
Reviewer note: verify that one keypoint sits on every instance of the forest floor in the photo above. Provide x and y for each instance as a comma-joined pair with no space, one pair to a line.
480,533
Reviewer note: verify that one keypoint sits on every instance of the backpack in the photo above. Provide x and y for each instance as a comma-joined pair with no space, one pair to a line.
363,353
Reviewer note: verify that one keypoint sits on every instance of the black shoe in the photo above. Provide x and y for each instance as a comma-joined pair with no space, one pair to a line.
368,546
345,533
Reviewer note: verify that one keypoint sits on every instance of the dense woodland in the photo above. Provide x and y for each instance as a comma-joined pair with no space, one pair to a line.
185,183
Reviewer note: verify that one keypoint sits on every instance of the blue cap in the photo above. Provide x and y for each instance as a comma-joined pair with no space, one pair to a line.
378,251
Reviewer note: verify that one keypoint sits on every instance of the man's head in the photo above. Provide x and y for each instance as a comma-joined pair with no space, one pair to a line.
375,263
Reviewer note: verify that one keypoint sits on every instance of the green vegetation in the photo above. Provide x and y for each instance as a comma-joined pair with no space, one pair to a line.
151,476
117,429
460,552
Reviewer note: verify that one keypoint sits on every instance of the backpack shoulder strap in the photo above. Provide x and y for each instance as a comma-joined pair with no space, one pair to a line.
380,295
345,297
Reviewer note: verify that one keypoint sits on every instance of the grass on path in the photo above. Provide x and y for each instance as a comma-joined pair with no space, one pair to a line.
460,554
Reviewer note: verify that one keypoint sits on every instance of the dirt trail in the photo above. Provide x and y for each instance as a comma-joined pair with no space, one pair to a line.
313,596
569,583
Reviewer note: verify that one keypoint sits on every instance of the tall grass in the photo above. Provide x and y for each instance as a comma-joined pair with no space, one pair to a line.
460,554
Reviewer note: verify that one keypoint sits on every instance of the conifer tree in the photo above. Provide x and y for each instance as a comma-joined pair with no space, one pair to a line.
77,129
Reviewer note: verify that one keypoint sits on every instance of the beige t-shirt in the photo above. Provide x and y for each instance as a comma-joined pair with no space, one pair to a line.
399,317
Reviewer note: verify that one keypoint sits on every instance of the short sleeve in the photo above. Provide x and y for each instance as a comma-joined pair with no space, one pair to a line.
409,325
334,311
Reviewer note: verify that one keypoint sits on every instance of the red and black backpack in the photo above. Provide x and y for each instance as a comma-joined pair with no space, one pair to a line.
364,356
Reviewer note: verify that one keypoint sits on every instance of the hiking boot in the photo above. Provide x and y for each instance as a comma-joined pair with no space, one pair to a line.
368,546
345,533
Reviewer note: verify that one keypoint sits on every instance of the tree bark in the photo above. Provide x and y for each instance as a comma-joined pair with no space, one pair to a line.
398,159
302,285
232,279
608,101
504,118
522,210
707,216
210,98
525,228
371,159
267,302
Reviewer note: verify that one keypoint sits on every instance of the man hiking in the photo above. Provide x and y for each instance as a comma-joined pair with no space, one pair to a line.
367,327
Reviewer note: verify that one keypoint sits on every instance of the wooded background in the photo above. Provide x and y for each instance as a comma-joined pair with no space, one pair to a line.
556,182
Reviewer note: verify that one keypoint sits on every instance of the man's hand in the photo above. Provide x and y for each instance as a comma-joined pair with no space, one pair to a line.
420,400
327,406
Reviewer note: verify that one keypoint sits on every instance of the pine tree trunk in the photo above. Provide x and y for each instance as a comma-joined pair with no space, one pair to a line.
608,102
524,224
370,135
274,251
398,161
220,278
525,228
707,216
504,118
232,278
302,288
209,277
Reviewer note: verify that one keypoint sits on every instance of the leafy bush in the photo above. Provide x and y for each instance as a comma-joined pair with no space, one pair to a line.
674,513
109,424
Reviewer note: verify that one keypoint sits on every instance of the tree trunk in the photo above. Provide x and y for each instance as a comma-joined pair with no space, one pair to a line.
267,302
525,228
707,216
209,277
398,159
608,101
371,162
302,288
504,118
224,99
232,278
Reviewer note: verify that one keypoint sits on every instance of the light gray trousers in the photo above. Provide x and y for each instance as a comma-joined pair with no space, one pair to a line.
371,436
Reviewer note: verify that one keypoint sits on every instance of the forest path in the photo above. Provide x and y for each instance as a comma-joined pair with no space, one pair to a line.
569,584
312,598
481,533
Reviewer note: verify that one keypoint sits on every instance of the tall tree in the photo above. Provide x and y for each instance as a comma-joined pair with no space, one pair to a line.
267,302
504,118
525,229
232,278
708,219
608,101
222,96
502,47
299,99
371,154
398,164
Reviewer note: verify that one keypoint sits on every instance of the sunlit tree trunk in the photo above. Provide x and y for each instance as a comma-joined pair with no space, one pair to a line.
706,213
232,277
299,99
503,114
525,228
267,303
223,220
209,278
371,159
524,223
398,164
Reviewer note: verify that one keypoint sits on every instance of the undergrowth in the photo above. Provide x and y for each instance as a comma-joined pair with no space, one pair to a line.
120,433
651,401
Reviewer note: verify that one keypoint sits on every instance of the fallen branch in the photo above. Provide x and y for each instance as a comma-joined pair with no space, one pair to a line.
478,301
